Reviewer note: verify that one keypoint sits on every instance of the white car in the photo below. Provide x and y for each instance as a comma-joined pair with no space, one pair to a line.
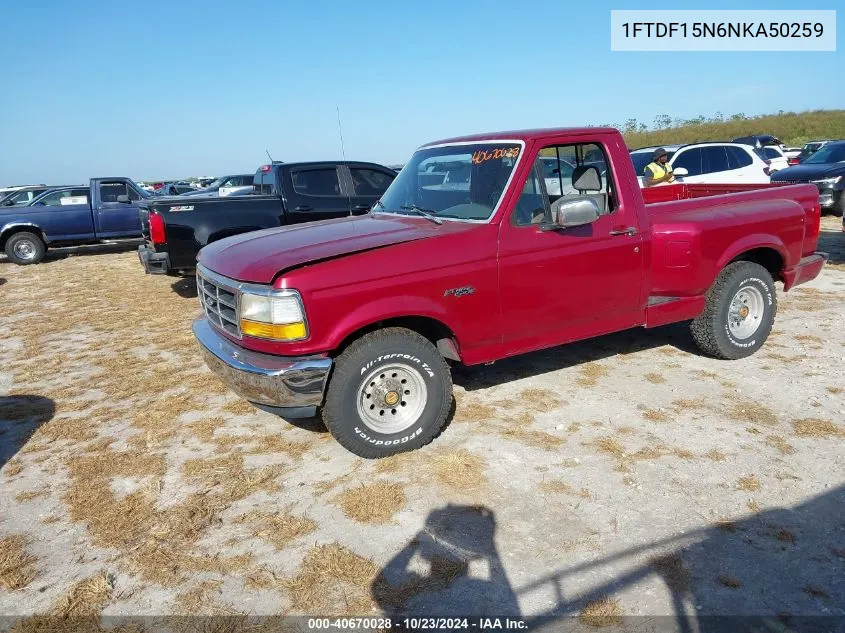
697,163
775,155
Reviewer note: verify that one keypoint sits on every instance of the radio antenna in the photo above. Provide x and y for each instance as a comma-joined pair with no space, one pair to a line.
343,154
268,155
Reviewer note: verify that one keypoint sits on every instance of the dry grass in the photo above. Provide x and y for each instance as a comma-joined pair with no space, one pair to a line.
372,503
749,483
655,379
558,486
276,444
443,573
17,565
817,428
205,428
689,404
331,575
540,400
199,598
673,572
85,598
471,411
715,455
459,469
730,582
394,463
753,413
654,415
683,453
590,374
280,530
12,468
30,495
533,438
835,390
776,441
726,525
239,407
601,613
609,446
754,506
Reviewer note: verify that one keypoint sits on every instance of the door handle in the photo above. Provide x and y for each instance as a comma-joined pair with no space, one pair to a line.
631,230
303,207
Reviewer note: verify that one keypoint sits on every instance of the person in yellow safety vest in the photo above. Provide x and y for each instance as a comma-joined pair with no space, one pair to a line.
658,171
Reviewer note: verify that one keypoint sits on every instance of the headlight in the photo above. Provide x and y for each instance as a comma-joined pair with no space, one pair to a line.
827,181
278,316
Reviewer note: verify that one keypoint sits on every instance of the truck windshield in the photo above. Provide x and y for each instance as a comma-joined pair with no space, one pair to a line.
462,182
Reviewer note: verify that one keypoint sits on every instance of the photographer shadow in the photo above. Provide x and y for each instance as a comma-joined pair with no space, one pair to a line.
450,568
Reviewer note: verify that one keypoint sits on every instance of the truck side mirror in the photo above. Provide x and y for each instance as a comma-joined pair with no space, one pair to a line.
680,171
123,199
569,212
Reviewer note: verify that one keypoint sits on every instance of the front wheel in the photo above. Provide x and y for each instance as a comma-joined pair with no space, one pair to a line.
739,313
390,392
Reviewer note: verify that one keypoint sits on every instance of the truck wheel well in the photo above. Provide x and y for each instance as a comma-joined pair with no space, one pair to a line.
18,229
432,329
768,258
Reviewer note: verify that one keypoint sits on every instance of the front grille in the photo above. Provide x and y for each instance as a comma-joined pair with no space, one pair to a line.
220,304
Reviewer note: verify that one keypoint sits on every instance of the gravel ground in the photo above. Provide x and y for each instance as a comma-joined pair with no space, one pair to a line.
622,476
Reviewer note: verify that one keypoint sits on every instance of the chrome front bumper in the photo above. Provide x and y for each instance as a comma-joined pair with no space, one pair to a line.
272,381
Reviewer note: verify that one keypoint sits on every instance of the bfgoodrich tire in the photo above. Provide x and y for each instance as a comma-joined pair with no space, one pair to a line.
739,312
25,248
390,392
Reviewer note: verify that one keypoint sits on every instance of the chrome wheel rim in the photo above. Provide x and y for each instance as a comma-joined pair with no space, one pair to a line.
24,250
746,312
391,398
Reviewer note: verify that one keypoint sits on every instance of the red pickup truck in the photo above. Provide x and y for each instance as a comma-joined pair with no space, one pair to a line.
485,247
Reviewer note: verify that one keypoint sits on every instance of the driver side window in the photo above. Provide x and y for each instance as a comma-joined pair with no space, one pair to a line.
565,171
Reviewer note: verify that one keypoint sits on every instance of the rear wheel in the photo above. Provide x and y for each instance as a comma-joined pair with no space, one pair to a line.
390,392
739,313
25,248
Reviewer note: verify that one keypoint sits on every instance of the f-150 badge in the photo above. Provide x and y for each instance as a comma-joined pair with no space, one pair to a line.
184,207
459,292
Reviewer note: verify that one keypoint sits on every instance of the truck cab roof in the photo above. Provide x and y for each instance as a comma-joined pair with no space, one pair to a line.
524,135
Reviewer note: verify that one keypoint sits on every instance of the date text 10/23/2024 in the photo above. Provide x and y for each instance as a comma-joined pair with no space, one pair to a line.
418,624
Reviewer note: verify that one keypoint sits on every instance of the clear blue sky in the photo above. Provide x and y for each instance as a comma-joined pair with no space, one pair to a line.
174,89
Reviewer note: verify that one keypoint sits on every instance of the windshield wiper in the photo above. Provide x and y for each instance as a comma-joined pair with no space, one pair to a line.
426,213
379,203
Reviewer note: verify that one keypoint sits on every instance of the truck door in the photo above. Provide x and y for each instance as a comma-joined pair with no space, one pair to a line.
63,214
367,185
116,219
566,284
315,193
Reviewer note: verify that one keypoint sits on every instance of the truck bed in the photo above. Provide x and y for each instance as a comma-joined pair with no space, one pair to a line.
698,229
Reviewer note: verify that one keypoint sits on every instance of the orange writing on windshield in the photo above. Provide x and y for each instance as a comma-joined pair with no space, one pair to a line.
494,154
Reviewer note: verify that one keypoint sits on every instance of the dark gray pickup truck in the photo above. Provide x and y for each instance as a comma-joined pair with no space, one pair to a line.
176,228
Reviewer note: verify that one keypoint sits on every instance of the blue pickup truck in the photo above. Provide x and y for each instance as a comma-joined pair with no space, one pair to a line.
67,216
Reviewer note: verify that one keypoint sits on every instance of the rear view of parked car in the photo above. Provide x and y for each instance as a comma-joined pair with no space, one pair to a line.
776,157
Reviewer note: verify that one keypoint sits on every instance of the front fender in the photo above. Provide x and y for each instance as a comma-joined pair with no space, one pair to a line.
386,308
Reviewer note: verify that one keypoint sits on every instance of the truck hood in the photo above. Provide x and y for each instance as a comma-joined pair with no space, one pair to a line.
805,173
260,256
